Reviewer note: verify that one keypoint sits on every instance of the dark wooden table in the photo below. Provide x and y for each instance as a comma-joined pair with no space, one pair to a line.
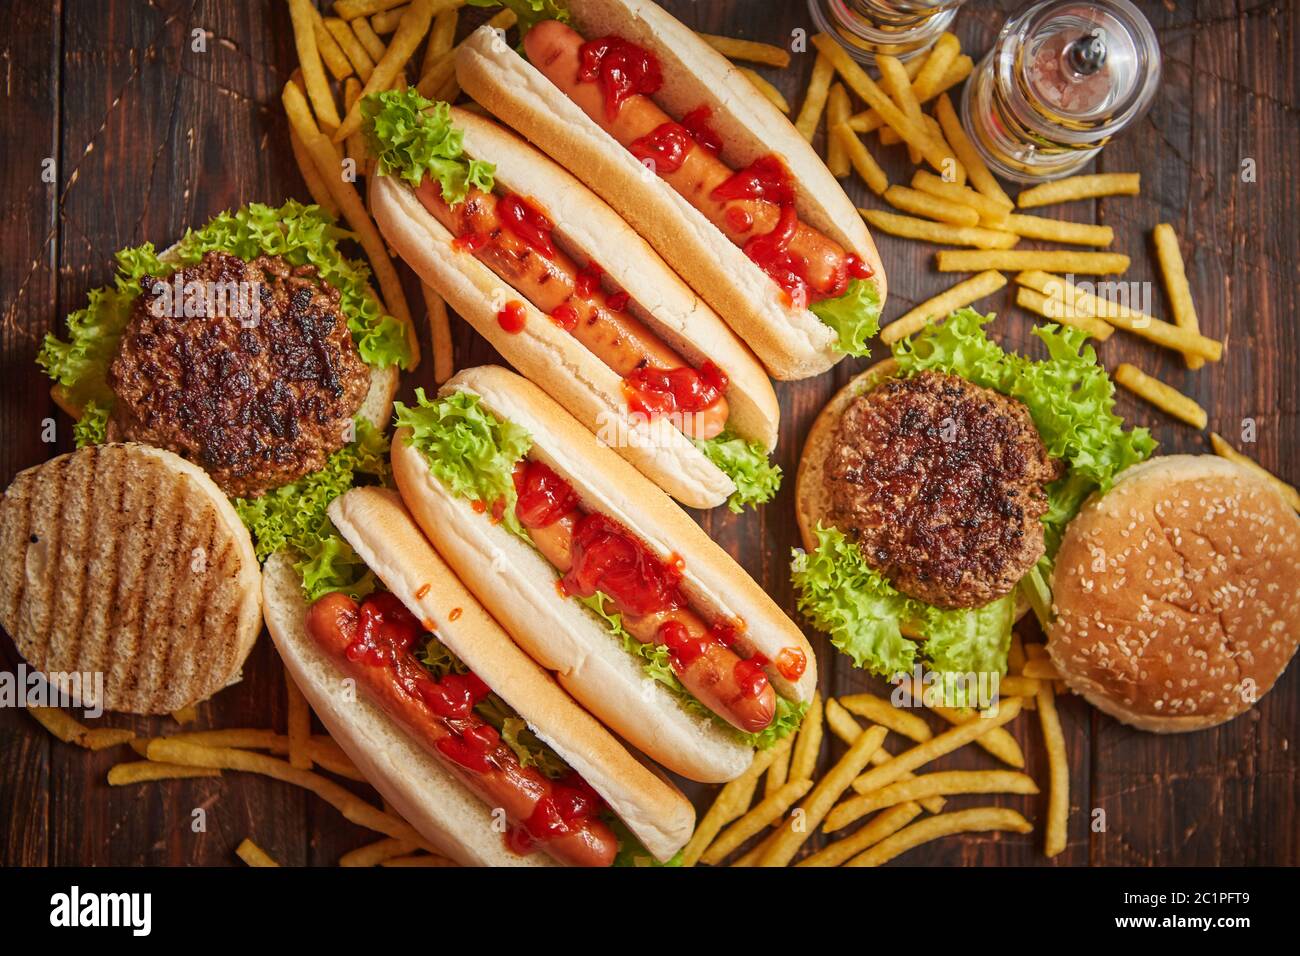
140,129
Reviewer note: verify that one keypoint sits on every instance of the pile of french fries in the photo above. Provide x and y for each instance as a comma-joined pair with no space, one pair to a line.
906,808
958,202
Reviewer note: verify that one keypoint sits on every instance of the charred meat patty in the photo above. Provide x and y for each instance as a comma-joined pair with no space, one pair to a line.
940,482
250,371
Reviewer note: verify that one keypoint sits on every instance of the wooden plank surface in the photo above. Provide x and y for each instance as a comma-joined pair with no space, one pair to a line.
151,134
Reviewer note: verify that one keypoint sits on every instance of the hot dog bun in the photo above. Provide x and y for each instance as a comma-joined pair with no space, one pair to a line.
550,356
518,585
381,531
793,343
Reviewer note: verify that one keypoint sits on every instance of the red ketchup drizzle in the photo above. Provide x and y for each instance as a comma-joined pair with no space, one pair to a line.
587,283
666,146
655,391
571,800
697,124
622,68
765,178
749,674
791,663
528,223
469,242
739,219
543,496
565,316
512,317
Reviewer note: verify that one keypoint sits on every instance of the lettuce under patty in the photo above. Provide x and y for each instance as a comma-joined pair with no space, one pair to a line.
853,316
1071,401
747,465
302,235
474,453
413,137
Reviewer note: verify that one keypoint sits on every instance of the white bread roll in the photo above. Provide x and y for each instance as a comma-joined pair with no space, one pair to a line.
429,796
792,343
555,359
517,584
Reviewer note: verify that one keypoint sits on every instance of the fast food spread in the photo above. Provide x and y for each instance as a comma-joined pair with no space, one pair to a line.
504,642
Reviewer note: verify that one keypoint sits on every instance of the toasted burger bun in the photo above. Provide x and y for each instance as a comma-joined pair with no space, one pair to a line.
811,502
1175,594
792,343
128,561
518,586
554,358
430,797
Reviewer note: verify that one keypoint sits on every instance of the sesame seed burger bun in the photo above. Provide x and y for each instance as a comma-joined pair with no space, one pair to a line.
1175,594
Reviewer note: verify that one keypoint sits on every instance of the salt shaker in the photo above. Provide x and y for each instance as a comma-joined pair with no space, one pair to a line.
1063,77
870,28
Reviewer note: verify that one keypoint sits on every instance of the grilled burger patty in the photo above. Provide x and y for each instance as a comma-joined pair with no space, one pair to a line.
940,482
258,398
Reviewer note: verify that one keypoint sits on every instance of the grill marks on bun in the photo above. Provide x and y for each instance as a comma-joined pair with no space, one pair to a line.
1175,589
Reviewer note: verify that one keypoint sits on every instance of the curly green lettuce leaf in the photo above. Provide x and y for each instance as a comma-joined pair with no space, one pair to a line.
294,517
631,851
92,427
746,464
853,316
657,663
971,641
471,451
529,12
413,137
1069,395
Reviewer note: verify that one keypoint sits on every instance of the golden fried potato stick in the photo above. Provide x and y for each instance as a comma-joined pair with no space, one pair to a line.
945,303
1174,272
891,821
814,101
734,49
1058,798
254,855
415,24
313,73
1162,396
1093,186
979,174
147,771
943,783
980,819
770,92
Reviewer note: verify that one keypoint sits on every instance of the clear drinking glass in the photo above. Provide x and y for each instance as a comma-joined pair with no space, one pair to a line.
868,28
1063,77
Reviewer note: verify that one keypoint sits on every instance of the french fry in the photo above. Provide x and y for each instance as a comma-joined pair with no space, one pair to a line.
869,120
1039,666
942,56
823,796
803,759
372,854
946,302
978,173
1080,187
1174,272
889,822
186,715
944,743
837,111
71,731
924,230
444,362
1059,311
732,801
1162,396
1057,230
736,49
770,92
1015,661
991,212
254,855
299,725
932,207
857,80
325,155
777,774
882,712
442,71
751,857
351,9
771,809
320,195
1224,450
1058,797
841,722
980,819
998,741
1011,260
322,751
386,21
313,74
944,783
894,78
367,37
442,37
814,101
862,161
349,804
330,52
415,24
355,147
351,46
1015,685
146,771
1165,334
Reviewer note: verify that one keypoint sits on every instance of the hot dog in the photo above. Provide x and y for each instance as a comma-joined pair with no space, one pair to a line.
573,298
736,200
602,580
450,721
